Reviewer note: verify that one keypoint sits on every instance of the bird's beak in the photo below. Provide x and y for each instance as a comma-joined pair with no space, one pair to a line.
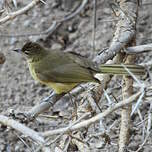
18,50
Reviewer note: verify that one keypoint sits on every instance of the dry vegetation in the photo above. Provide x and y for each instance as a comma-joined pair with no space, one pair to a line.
112,116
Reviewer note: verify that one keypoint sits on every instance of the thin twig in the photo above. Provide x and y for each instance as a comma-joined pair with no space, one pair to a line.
94,23
124,33
138,49
95,118
44,105
107,97
69,127
143,123
54,25
148,128
76,12
22,140
138,103
48,142
134,77
13,15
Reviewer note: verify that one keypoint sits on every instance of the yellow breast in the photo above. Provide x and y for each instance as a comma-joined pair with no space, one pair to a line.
57,87
61,87
32,71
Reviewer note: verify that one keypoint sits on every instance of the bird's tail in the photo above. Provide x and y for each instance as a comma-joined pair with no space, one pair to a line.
121,70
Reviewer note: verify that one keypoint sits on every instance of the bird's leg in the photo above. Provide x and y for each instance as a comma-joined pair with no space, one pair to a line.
51,97
103,50
44,105
46,99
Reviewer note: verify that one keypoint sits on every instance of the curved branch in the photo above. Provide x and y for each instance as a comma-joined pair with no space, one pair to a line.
22,128
13,15
125,30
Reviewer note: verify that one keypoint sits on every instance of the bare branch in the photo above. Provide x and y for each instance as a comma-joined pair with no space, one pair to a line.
125,30
22,128
94,23
94,119
138,49
44,105
13,15
54,25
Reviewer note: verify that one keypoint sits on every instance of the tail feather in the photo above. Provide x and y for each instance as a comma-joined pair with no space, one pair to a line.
120,70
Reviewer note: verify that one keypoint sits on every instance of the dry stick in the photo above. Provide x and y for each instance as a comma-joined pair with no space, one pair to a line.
68,128
48,142
93,97
76,12
127,91
22,140
66,144
142,88
143,124
13,15
94,23
22,128
94,119
45,149
43,106
77,140
148,129
139,49
14,3
54,25
124,33
66,18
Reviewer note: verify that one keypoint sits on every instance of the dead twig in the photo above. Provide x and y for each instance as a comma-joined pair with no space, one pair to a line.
13,15
148,129
125,30
94,23
44,105
68,128
54,26
22,128
94,119
138,49
48,142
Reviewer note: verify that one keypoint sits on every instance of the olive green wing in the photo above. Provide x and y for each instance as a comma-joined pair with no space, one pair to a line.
83,62
60,67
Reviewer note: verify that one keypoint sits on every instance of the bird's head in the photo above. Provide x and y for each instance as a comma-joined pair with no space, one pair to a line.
32,50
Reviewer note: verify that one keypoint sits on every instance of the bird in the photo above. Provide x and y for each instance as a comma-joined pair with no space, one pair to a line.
63,71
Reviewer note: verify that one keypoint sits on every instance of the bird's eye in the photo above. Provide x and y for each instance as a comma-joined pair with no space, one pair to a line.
26,52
